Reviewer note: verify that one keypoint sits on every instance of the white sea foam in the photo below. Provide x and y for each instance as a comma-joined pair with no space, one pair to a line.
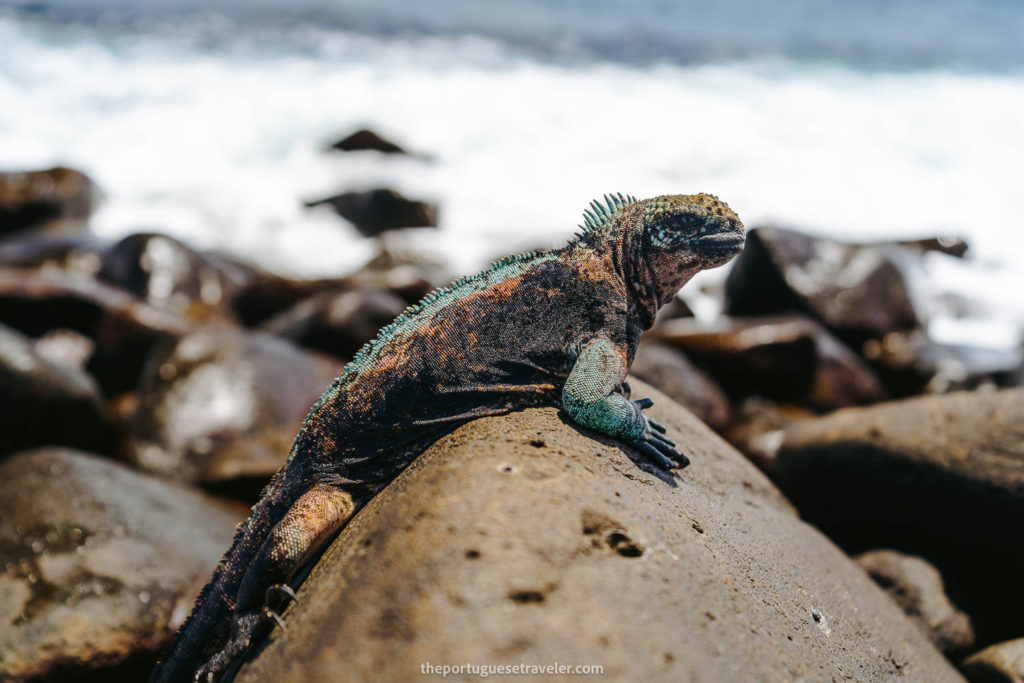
219,146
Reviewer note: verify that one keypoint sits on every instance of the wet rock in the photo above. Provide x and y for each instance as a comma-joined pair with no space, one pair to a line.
758,428
1000,663
364,139
941,477
786,358
169,275
521,539
51,198
338,323
917,587
98,564
222,404
42,402
858,291
668,369
376,211
123,329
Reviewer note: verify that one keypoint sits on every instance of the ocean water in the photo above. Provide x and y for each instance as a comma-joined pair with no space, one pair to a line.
866,122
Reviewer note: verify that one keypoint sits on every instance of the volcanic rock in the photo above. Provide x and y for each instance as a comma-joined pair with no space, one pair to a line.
790,359
222,404
917,587
98,565
936,476
523,539
376,211
52,198
43,402
668,370
857,291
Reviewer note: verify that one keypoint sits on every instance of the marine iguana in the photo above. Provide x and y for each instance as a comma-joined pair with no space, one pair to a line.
543,328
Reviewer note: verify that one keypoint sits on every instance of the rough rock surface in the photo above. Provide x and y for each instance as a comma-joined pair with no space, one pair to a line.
940,476
521,539
224,403
917,587
999,663
45,403
98,564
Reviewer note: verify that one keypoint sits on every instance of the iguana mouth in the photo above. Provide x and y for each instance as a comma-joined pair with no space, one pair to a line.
722,243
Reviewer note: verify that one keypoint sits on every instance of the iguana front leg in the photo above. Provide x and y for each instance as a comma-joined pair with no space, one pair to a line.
590,398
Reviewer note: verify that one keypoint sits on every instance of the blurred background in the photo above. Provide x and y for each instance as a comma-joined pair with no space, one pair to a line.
209,121
206,209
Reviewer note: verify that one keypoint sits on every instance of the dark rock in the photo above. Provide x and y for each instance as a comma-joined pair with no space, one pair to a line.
410,276
98,564
79,254
123,329
51,198
786,358
376,211
364,139
941,477
168,274
521,539
668,370
858,291
268,295
44,403
758,428
338,323
910,363
1000,663
944,244
917,587
222,403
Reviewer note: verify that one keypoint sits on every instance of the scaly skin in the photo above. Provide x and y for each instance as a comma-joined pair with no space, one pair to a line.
545,328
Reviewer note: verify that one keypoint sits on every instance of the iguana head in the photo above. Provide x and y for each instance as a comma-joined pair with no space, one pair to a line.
662,242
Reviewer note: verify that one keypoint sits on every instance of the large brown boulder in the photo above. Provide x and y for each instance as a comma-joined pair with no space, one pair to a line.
938,476
98,565
521,539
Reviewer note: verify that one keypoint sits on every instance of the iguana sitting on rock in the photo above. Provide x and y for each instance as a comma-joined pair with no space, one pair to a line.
550,327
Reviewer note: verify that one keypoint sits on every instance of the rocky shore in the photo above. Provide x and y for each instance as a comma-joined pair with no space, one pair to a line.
854,510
